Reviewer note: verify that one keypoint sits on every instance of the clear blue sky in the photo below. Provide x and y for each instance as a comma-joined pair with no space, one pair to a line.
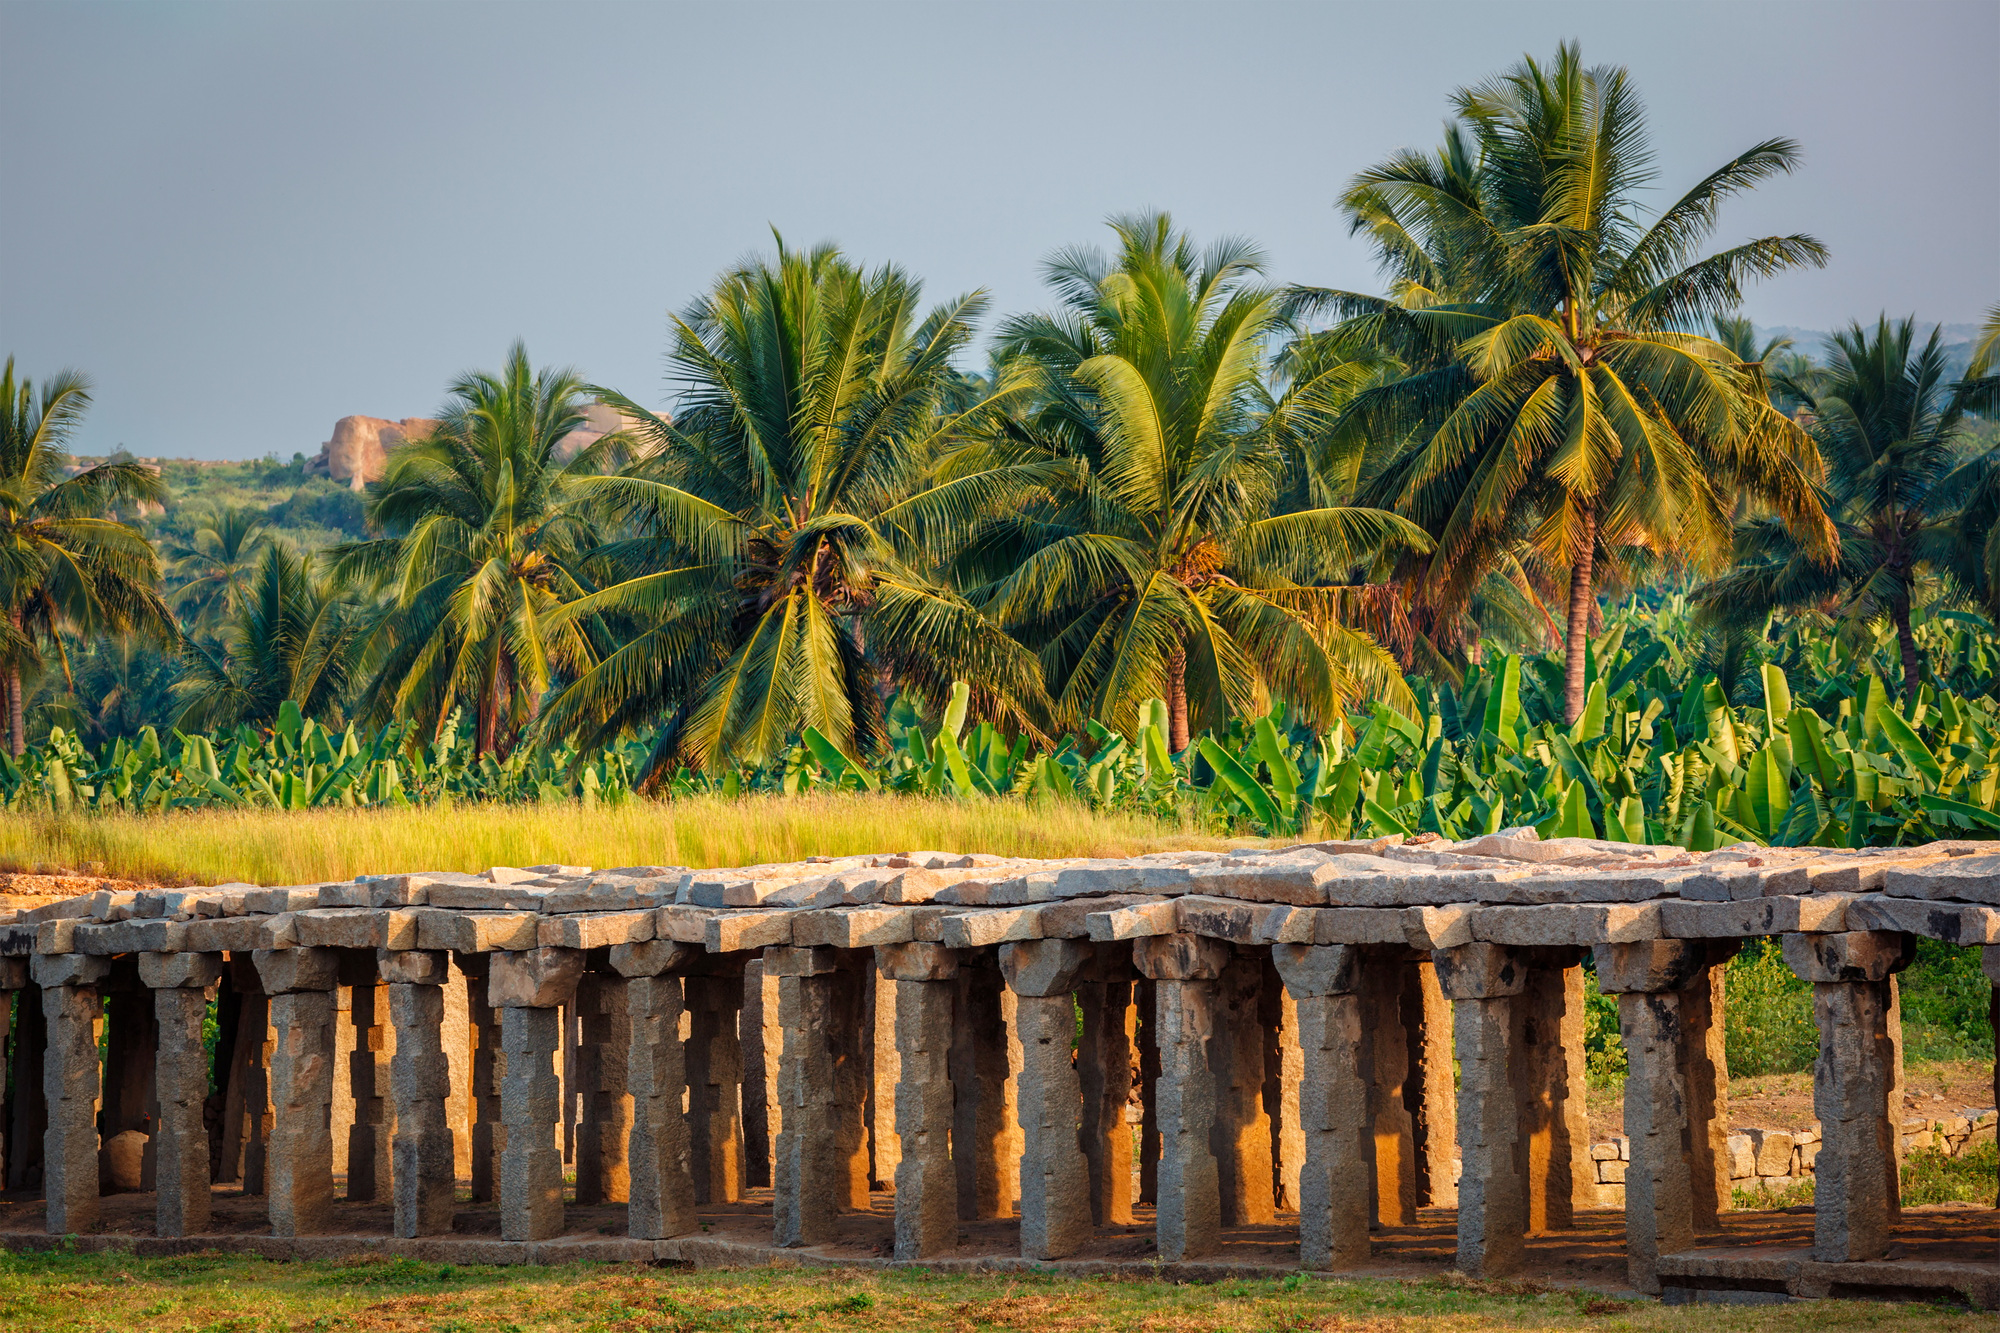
245,221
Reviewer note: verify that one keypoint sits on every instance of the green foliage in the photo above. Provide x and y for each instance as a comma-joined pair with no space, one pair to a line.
1603,1040
1768,1024
1931,1176
1944,995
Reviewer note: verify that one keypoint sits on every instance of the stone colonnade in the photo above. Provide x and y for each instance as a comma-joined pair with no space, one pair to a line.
1273,1076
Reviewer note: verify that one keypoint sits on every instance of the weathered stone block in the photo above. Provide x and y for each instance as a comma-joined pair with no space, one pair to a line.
293,971
1044,967
916,961
1180,957
1480,971
68,969
1649,965
1134,921
597,930
651,958
787,961
413,967
1317,969
167,971
533,978
1855,955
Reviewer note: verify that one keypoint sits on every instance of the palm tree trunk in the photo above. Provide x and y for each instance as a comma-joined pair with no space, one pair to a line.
1177,709
1577,642
489,715
1913,660
17,723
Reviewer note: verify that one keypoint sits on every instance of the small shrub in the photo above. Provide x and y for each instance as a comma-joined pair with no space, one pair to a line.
1768,1022
1945,996
1929,1176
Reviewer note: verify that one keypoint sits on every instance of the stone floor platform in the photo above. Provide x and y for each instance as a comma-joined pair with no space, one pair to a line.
1939,1254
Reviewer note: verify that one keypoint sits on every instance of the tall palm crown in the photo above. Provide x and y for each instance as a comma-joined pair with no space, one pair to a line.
1556,393
63,564
485,542
292,634
777,573
217,561
1902,486
1134,545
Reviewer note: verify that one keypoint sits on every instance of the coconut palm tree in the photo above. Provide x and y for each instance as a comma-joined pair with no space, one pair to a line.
217,561
294,634
64,566
1135,545
1901,487
778,573
485,542
1555,398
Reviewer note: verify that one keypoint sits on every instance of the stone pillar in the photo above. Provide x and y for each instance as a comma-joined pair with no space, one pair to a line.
986,1147
1652,981
1435,1084
247,1117
1336,1181
925,993
822,1163
1553,1118
299,1168
761,1037
1483,981
128,1098
73,1006
182,985
884,1070
369,1163
604,1129
714,998
1990,961
489,1069
662,1188
1104,1073
1240,1137
1055,1182
1184,969
424,1150
529,988
1146,1024
1856,1189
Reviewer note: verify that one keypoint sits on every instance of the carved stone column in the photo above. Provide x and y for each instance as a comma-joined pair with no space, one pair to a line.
1055,1182
662,1188
299,1166
1856,1192
73,1008
1184,969
528,989
926,1182
182,985
1336,1182
424,1149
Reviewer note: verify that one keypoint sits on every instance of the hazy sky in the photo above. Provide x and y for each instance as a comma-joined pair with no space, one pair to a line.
246,221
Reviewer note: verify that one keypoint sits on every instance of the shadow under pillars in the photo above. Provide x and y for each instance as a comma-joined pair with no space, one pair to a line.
1146,1033
369,1045
716,1159
488,1061
1705,1079
604,1125
132,1036
1412,1097
822,1158
1553,1118
1104,1067
1240,1134
246,1097
761,1040
985,1136
27,1106
1284,1067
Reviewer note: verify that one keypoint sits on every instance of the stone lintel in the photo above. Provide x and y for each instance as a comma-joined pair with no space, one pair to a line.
1310,970
1649,965
1853,955
176,971
1481,971
1179,957
68,969
540,978
784,960
292,971
918,960
1044,967
13,973
413,967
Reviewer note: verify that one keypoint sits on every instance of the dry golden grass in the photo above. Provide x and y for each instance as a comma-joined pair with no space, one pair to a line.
297,847
232,1294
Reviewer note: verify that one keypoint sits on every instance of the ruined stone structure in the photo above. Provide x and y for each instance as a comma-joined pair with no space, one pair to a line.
1015,1061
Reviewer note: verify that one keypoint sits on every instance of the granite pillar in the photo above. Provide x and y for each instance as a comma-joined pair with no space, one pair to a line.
1185,969
714,998
662,1187
604,1129
73,1008
1336,1179
529,988
489,1068
1483,982
1104,1072
986,1140
299,1168
370,1165
822,1158
1240,1137
925,994
182,985
1055,1181
423,1149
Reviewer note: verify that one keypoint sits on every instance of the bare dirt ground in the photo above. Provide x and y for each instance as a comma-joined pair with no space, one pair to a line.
1785,1101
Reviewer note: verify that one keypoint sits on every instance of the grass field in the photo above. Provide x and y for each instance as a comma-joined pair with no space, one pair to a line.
297,847
60,1293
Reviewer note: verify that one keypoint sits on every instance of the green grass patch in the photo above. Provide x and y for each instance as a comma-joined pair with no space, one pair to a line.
71,1293
1929,1176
